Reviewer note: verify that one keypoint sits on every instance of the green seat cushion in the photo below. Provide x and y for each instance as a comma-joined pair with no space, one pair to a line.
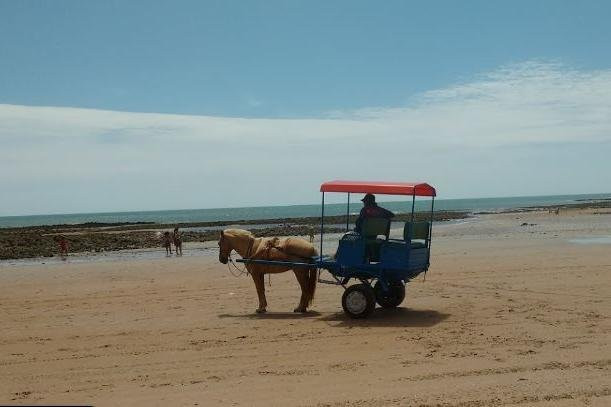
374,227
419,231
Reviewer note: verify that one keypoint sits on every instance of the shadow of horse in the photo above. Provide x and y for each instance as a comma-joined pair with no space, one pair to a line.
274,315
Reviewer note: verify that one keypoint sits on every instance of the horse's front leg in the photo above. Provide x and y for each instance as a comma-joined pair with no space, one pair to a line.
258,278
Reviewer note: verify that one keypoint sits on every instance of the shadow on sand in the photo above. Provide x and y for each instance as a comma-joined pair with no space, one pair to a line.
391,317
380,317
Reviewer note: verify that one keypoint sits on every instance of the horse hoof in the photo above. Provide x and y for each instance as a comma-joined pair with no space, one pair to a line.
261,311
300,310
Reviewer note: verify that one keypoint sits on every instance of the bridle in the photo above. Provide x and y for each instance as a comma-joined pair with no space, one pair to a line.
231,263
240,271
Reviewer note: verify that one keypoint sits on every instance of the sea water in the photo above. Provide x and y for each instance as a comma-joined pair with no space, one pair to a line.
293,211
592,240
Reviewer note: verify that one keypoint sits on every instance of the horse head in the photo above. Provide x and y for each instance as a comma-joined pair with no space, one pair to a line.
224,248
234,239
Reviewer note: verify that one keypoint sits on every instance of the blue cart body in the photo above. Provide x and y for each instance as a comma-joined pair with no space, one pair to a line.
395,260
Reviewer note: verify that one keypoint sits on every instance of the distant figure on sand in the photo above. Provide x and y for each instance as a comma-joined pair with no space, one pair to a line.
63,247
177,236
311,233
167,243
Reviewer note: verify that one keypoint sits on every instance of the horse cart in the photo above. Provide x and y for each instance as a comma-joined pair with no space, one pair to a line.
380,265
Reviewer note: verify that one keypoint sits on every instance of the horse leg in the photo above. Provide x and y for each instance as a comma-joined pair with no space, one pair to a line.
258,278
302,278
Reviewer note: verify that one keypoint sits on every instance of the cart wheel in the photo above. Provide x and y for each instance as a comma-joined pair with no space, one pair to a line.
391,298
359,300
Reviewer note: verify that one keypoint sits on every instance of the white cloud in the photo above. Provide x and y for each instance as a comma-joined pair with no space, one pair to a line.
135,157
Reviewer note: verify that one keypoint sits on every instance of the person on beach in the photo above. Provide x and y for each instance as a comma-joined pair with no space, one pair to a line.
371,210
63,247
167,243
177,236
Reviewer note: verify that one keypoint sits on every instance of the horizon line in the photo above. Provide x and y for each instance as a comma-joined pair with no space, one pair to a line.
437,199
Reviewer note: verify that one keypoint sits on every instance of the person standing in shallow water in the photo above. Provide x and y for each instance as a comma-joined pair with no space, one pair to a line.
177,236
371,210
167,243
63,247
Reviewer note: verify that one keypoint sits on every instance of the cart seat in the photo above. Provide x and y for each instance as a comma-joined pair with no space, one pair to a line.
371,230
416,233
403,243
351,250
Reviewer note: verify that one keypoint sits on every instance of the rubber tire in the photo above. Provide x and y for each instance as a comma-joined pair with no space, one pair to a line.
366,295
391,299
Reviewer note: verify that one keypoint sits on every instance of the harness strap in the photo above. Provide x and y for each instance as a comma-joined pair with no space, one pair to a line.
274,244
243,270
269,245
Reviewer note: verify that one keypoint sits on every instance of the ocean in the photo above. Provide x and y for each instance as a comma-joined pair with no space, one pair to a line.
292,211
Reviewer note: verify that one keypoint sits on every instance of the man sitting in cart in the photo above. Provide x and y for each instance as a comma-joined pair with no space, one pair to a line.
371,210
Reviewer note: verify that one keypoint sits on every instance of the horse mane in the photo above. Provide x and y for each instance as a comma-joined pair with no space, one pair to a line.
238,233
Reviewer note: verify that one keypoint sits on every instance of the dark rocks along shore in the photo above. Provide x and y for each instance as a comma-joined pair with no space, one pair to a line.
43,241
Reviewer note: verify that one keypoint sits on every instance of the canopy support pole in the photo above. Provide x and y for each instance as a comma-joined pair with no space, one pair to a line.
322,222
431,222
430,240
348,213
413,206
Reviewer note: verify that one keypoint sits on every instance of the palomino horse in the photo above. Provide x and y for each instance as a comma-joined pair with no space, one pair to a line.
288,249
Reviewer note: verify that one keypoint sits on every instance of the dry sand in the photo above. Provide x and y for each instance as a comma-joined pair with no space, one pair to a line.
508,315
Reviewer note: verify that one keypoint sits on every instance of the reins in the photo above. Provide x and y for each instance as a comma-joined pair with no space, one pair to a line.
243,270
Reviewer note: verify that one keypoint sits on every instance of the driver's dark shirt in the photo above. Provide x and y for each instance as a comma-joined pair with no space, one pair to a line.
372,211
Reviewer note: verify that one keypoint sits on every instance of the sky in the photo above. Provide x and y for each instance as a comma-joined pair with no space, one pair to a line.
115,106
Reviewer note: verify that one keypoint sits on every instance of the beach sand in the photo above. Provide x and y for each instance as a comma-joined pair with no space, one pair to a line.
509,314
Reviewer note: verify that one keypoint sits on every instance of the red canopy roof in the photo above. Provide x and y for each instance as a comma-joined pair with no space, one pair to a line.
372,187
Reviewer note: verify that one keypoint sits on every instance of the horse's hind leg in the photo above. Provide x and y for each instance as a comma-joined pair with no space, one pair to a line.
258,278
302,278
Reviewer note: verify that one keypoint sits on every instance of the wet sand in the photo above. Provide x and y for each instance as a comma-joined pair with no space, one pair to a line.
513,311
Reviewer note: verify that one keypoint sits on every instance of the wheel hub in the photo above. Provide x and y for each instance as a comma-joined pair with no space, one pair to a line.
356,302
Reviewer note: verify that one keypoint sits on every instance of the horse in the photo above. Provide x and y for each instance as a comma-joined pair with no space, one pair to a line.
287,249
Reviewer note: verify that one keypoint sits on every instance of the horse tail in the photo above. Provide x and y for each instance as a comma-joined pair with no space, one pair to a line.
312,280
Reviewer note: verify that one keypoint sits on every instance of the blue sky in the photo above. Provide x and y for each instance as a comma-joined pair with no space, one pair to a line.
277,58
480,98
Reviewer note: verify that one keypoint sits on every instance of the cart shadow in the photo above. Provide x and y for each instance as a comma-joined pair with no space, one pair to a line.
392,317
274,315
